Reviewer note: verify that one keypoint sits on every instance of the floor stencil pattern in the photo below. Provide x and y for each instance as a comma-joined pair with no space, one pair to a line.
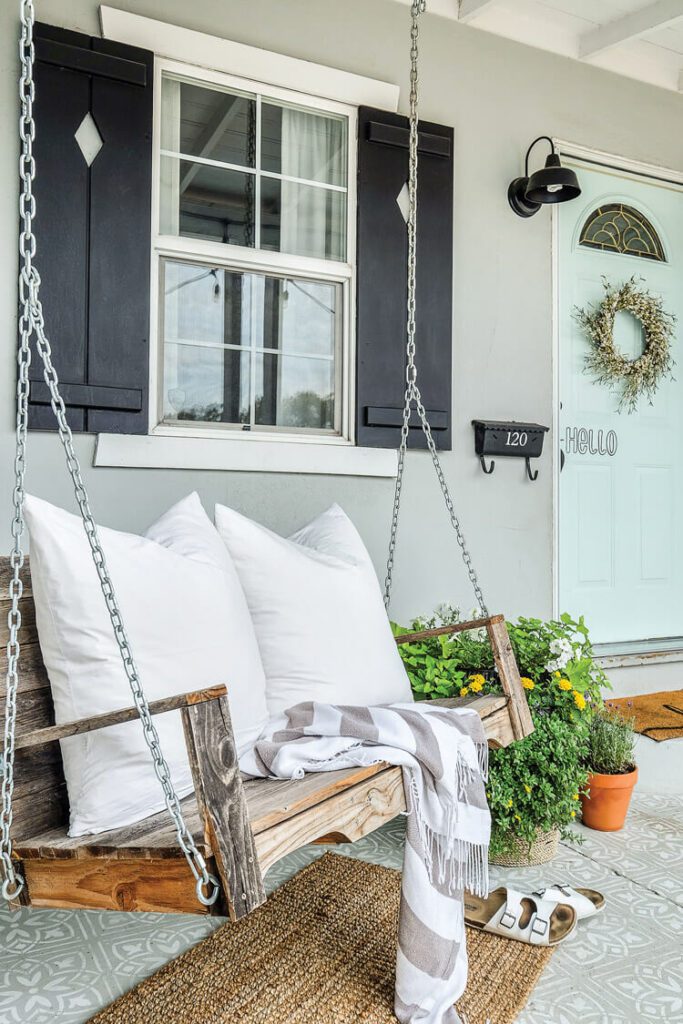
59,967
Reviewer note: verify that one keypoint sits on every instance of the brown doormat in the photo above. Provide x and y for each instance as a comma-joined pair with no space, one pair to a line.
320,951
657,715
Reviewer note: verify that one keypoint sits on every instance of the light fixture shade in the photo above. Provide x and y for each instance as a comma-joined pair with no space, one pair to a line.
553,184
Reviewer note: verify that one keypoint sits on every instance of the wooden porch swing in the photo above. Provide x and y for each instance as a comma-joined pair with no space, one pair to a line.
231,830
241,827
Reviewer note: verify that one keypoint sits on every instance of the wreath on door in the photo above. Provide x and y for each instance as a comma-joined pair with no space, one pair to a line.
635,377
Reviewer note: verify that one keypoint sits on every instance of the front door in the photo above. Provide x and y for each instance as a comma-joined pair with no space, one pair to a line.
621,483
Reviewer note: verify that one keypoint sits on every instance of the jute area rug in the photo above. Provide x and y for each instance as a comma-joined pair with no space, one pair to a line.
320,951
657,715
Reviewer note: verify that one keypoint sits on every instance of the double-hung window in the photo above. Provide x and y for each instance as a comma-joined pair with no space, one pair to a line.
253,258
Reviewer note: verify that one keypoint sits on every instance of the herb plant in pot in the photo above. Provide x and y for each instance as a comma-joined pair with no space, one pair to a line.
613,772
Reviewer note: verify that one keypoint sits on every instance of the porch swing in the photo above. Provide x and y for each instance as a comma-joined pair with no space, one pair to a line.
231,830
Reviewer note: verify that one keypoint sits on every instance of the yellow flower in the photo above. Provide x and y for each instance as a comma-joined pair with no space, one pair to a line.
527,788
527,683
518,817
579,700
573,814
509,803
464,691
575,796
476,683
557,674
564,684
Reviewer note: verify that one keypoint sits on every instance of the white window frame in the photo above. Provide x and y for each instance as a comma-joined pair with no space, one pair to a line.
246,451
238,257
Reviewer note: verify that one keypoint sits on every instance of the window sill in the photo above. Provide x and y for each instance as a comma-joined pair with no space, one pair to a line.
244,455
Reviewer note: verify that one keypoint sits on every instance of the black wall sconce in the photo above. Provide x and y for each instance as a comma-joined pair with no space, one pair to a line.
553,184
518,440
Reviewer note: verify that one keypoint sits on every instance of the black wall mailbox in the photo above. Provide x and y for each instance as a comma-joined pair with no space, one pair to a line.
517,440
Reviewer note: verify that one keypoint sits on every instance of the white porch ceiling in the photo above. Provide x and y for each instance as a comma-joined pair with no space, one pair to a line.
642,40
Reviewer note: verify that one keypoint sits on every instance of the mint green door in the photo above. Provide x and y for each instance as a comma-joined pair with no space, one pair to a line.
620,509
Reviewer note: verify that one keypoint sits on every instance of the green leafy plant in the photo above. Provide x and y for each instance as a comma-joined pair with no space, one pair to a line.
534,784
611,742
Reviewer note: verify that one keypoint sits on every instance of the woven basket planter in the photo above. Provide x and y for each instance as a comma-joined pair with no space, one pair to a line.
521,855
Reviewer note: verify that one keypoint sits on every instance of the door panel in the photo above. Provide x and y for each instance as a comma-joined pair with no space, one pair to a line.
621,488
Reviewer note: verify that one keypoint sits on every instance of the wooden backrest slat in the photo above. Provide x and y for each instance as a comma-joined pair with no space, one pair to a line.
32,675
40,800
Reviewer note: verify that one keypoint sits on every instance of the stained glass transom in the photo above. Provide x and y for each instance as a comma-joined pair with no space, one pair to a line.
618,228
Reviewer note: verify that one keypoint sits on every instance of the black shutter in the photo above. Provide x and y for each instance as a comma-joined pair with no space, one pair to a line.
93,229
382,255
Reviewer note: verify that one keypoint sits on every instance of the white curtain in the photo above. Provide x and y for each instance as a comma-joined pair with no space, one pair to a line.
312,219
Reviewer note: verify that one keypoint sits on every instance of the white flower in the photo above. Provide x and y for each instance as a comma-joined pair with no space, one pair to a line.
448,614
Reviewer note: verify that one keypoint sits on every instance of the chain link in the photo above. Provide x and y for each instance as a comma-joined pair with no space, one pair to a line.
31,320
412,391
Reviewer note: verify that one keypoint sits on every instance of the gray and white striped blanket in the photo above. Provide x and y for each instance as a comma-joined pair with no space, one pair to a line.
443,754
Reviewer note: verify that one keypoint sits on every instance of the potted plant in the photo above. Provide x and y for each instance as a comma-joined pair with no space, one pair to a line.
613,772
534,785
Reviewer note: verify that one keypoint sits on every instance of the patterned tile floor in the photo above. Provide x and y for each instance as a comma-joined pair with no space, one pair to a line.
58,967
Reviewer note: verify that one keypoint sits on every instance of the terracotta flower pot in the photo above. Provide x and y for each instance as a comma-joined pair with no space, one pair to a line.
605,806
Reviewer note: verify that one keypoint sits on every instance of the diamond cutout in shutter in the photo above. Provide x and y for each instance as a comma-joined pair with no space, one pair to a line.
89,140
403,201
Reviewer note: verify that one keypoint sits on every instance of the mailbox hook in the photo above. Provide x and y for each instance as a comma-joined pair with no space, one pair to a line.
532,475
483,465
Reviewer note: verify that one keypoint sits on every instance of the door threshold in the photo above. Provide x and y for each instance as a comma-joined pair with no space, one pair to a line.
639,652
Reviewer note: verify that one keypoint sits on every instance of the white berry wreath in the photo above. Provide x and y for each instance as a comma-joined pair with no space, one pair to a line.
635,377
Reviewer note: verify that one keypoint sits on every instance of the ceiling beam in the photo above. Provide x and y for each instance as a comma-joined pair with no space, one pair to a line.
630,26
468,10
456,10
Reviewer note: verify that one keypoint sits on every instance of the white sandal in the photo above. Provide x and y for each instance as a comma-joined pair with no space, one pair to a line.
586,902
525,918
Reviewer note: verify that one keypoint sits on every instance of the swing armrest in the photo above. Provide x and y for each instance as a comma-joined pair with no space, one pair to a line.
37,737
455,627
504,660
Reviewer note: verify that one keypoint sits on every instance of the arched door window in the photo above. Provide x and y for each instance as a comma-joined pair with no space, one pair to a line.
618,228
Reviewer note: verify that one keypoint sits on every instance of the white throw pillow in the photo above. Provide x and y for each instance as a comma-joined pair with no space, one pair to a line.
189,627
318,613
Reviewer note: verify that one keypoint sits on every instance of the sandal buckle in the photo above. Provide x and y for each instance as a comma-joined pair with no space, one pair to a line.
539,926
511,919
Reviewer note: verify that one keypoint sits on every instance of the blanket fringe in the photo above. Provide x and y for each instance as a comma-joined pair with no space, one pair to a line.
450,860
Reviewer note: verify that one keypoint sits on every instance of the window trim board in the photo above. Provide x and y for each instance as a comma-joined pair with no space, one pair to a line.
249,453
268,67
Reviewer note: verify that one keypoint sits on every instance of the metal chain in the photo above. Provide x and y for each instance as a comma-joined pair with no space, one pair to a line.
12,881
412,391
207,886
250,183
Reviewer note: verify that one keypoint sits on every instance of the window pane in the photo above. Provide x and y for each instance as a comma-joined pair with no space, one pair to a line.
196,306
201,201
293,391
303,219
306,317
218,323
210,385
303,144
208,122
